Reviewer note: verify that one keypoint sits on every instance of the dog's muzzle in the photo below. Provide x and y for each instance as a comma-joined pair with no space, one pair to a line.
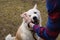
36,21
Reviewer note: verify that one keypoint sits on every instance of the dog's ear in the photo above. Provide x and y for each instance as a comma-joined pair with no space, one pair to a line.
22,15
35,7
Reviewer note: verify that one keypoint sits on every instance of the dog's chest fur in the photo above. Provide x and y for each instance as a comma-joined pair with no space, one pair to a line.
24,32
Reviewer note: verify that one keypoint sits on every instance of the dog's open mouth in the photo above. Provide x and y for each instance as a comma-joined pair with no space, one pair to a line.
36,21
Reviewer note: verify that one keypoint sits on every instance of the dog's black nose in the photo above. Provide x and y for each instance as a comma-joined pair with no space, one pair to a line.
34,18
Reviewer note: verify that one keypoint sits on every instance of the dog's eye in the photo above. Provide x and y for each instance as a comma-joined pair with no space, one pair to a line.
35,12
29,15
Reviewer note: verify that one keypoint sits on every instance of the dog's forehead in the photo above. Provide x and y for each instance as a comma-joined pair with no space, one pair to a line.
31,11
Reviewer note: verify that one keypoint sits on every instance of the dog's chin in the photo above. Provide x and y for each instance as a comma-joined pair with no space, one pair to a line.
36,22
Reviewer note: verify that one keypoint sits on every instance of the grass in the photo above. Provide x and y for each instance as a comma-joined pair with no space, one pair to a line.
10,11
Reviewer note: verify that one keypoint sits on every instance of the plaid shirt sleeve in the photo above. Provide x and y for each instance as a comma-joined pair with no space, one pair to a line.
45,33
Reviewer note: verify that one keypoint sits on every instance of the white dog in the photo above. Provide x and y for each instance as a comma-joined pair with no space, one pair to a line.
24,32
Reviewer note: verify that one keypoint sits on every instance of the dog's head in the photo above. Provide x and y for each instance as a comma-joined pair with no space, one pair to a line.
34,14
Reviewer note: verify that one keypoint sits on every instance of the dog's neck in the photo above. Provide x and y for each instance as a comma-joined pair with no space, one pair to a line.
25,32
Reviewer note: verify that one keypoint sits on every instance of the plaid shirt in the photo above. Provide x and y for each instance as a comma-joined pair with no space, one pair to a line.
52,5
52,29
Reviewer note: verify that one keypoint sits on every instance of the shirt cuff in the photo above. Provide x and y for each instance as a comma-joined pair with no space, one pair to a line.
35,27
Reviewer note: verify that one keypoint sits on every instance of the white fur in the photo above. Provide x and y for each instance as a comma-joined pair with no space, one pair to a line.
38,15
9,37
23,32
